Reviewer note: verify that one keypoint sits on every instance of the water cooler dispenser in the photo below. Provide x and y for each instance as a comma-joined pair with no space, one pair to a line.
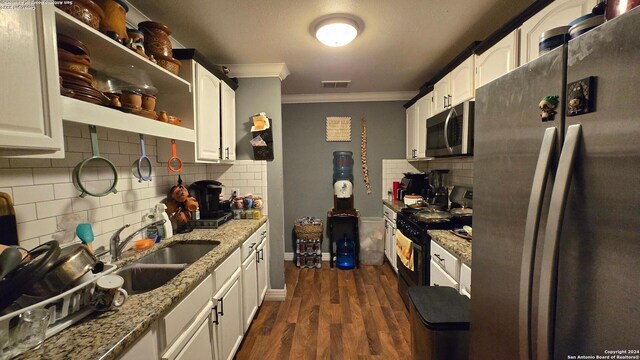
342,221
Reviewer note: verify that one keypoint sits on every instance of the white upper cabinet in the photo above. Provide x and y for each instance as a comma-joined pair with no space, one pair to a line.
228,122
454,88
497,60
423,112
440,95
31,121
461,86
207,98
412,137
558,13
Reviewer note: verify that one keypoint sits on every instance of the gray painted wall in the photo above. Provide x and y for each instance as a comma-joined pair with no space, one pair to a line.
308,167
264,95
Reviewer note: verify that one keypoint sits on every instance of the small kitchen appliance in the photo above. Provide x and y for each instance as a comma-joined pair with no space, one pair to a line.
438,195
414,184
212,211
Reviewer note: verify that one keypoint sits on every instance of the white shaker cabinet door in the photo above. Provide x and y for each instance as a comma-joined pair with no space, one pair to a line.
228,111
31,120
558,13
423,113
199,346
262,264
441,93
498,60
249,290
207,115
229,330
461,83
410,131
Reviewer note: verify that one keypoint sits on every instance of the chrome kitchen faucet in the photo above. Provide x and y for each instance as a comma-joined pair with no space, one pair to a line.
115,246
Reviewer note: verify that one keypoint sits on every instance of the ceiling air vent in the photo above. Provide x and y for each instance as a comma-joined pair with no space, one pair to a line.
340,84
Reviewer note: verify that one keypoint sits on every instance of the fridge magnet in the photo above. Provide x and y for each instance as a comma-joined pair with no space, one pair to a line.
338,128
548,105
580,99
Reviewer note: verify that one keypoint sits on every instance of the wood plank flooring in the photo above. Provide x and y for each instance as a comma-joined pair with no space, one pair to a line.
332,314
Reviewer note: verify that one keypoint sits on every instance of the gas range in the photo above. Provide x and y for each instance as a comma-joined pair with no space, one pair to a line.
417,231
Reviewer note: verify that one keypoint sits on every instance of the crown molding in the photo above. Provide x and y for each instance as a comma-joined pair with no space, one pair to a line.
279,70
348,97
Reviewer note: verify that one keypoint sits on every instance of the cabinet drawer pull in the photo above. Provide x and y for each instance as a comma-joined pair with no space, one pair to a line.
439,258
262,254
449,101
252,245
215,312
221,301
226,150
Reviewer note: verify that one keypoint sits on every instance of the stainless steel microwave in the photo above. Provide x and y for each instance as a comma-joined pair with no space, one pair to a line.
450,133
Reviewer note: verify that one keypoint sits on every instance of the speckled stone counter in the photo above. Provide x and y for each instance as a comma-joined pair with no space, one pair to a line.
395,205
454,244
108,335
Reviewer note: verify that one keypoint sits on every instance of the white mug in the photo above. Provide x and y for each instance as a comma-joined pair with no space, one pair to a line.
108,293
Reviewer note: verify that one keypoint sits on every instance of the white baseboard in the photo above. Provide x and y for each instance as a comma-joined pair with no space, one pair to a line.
288,256
276,294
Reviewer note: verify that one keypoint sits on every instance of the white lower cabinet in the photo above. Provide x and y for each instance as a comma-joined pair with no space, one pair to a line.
465,280
439,277
390,236
195,341
144,349
228,329
249,289
262,263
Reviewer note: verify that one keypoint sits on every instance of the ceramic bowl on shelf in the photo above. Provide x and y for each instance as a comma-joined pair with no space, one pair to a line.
71,62
86,11
131,99
72,45
156,38
148,102
114,22
169,63
75,77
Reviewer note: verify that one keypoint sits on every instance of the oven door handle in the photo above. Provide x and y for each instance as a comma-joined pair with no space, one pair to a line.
446,130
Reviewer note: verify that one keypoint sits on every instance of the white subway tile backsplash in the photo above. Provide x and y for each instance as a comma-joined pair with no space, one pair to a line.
51,176
29,163
37,228
48,205
25,213
46,209
16,177
31,194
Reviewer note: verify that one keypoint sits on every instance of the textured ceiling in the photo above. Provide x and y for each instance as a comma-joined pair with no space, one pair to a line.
403,44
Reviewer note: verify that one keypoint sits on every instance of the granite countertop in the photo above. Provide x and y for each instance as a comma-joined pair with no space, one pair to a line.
395,205
453,243
107,335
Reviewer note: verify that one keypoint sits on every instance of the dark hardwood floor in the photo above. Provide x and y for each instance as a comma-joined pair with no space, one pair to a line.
332,314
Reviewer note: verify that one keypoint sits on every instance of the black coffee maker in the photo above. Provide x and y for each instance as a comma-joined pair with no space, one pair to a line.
207,192
414,184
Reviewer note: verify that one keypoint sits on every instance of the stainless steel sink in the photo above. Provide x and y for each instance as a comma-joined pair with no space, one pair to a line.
179,253
139,279
159,267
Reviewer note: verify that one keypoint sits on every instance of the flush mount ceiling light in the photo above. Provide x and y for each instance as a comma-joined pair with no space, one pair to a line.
336,30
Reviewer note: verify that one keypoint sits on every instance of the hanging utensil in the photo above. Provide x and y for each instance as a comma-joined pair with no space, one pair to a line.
95,160
142,168
175,163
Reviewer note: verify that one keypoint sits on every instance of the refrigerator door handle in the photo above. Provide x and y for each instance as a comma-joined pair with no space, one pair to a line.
549,267
446,130
530,239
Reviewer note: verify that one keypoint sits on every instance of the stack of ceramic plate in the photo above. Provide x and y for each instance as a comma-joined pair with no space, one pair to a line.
74,61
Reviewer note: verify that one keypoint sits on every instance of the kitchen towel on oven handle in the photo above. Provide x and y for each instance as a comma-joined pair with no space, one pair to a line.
404,248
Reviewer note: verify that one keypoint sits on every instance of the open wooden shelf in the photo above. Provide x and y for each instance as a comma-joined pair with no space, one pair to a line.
116,61
86,113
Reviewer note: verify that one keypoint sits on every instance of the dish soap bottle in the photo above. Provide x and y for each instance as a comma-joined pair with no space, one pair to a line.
166,230
151,232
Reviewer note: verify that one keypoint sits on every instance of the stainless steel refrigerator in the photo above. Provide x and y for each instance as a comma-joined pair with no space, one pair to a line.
556,247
